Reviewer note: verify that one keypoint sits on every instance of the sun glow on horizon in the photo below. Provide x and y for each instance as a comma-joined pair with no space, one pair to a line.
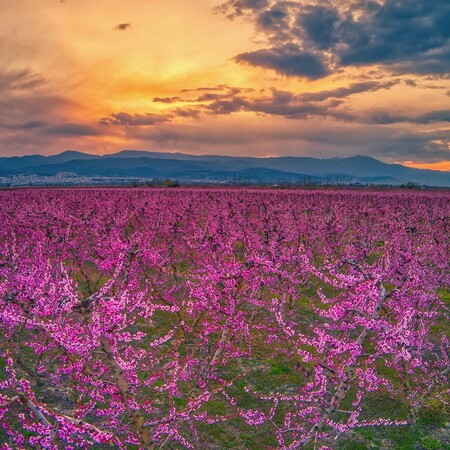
443,166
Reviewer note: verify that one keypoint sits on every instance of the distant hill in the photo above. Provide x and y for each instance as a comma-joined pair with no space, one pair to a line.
21,162
223,169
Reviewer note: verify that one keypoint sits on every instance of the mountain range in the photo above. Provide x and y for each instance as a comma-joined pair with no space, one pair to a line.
210,169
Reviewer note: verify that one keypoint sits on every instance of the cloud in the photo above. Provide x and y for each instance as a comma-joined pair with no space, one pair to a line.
271,101
218,94
404,36
289,104
34,124
192,113
233,8
71,129
289,59
278,103
19,80
34,116
166,99
342,92
228,106
315,137
386,117
220,87
275,22
27,102
397,32
435,62
123,26
134,120
318,24
326,104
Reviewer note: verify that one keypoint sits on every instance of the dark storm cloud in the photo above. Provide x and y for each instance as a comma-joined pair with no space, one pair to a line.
71,129
123,26
134,120
275,23
397,31
273,19
406,36
289,59
318,24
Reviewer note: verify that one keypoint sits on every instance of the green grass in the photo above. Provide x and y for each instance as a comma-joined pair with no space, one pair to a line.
215,407
431,443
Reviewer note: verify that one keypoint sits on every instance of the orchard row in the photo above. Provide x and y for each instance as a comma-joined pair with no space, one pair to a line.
150,317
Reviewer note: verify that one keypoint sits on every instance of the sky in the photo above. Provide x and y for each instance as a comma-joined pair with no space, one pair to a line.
321,78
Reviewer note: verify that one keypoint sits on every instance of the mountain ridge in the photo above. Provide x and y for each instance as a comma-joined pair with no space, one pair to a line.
219,168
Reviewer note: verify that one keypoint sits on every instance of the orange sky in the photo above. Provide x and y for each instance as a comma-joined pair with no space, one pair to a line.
443,165
254,78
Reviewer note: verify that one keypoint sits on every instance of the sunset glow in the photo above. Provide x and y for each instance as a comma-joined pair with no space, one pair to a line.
244,77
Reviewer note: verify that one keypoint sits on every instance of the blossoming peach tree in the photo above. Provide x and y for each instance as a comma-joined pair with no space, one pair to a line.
127,316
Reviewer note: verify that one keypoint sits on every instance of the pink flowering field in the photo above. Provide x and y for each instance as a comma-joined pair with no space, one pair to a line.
220,318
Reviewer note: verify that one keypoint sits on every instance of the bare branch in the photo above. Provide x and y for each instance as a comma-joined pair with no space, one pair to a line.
9,402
